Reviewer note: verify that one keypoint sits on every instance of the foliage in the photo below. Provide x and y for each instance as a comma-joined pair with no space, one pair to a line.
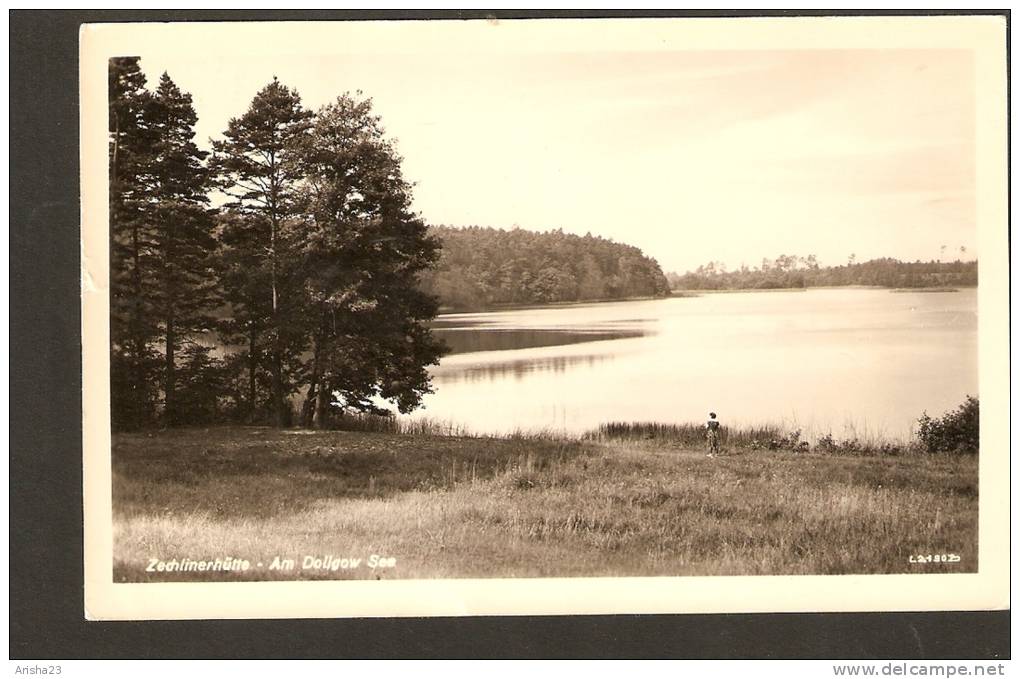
133,386
957,431
258,166
202,384
363,250
790,271
483,267
853,445
132,323
160,232
848,446
247,312
185,289
781,441
305,277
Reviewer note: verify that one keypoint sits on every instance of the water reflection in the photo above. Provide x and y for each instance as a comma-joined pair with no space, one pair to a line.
464,340
841,361
519,369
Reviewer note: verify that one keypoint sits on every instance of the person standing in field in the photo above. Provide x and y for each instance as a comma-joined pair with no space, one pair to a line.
712,434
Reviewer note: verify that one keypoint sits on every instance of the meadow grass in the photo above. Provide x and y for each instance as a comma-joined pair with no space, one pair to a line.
772,436
529,506
857,439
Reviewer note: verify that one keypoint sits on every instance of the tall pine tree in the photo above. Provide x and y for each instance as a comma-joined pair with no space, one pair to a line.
185,289
363,250
133,361
256,165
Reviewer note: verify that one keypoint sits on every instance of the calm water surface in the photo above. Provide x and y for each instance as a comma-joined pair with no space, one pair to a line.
846,361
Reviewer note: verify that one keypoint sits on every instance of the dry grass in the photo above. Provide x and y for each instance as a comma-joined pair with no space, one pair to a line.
693,435
529,506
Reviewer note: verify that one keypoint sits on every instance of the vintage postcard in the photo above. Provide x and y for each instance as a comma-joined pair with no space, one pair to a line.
550,316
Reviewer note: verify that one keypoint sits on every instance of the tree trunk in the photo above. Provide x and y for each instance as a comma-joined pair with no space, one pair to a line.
137,330
253,362
308,408
276,356
169,387
322,399
170,411
279,402
321,406
135,327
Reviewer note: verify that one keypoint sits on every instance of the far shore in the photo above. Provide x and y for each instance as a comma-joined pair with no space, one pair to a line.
721,291
448,311
682,293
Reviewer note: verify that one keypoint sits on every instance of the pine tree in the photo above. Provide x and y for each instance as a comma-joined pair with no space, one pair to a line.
363,250
132,323
184,290
256,166
244,282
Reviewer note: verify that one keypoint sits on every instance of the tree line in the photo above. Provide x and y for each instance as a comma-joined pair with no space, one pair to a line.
486,267
790,271
292,297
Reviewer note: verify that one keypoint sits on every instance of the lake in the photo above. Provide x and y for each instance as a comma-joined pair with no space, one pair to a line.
850,361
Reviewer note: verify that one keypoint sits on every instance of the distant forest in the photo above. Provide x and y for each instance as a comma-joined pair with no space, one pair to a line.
483,267
789,271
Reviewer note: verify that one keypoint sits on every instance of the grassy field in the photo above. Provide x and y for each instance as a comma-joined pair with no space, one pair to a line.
526,506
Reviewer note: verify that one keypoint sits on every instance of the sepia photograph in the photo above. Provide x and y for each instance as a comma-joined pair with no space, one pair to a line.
551,315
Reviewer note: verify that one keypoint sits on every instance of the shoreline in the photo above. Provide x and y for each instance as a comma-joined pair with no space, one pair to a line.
683,293
449,311
739,438
698,292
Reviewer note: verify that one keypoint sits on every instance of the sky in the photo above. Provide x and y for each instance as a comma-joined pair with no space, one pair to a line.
692,155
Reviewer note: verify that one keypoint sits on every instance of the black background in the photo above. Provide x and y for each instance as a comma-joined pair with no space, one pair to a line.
46,598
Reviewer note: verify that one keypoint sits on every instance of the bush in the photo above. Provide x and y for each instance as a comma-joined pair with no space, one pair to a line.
855,446
954,432
780,441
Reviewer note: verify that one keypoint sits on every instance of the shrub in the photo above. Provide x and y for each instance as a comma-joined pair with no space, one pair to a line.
829,444
954,432
857,446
